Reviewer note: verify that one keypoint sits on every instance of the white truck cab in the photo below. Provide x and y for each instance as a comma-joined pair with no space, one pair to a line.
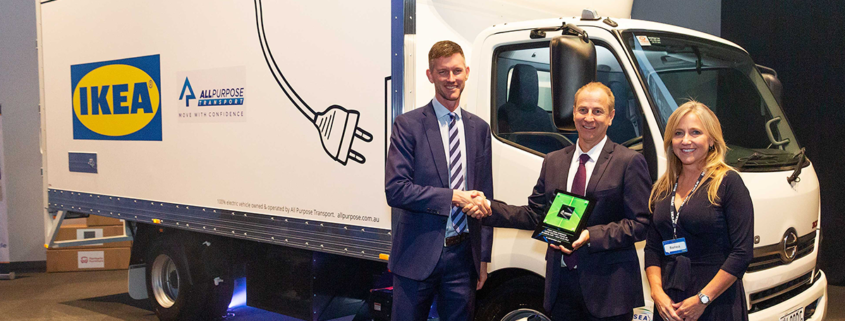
651,69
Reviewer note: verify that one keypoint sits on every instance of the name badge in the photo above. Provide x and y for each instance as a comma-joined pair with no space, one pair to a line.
676,246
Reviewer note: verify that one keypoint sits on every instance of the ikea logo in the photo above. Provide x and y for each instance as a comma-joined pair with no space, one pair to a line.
117,100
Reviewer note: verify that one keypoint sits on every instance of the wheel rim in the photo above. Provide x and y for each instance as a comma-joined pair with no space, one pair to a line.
165,281
525,315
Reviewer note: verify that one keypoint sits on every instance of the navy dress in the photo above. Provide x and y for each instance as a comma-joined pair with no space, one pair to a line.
717,237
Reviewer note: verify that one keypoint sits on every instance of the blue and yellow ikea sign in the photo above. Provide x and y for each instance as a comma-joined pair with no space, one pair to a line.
117,100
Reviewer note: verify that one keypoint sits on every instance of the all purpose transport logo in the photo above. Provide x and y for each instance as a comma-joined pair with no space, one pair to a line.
117,99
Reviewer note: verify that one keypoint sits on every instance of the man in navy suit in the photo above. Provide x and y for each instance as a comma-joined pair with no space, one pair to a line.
600,279
439,161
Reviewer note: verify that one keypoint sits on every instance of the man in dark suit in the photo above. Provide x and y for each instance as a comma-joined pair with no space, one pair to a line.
439,157
600,279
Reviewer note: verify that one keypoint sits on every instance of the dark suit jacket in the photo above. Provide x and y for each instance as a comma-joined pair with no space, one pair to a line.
609,269
417,187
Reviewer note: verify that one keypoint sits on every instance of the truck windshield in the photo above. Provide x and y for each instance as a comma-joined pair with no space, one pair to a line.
676,68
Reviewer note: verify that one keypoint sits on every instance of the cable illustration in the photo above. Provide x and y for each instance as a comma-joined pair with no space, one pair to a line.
337,125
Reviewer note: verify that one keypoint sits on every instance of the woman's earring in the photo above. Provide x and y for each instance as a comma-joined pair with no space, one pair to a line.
712,148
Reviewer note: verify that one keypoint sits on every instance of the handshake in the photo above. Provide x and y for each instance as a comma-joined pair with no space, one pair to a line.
474,203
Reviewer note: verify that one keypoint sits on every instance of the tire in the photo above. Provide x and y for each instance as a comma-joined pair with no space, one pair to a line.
173,296
513,300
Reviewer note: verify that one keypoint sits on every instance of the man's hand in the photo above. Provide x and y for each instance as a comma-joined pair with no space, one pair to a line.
474,203
482,276
461,198
585,237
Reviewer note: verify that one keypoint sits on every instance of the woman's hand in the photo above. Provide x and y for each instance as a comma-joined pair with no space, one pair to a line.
664,306
690,309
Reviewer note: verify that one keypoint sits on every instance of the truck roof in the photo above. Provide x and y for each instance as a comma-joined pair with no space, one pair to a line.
623,24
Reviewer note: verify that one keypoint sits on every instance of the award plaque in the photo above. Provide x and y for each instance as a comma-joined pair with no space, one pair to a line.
565,219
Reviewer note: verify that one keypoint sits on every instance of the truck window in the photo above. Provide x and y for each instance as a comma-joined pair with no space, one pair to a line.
676,68
522,104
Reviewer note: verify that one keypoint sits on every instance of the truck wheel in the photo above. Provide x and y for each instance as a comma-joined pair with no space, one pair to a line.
517,299
171,294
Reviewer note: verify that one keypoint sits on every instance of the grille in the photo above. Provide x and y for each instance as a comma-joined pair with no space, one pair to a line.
773,296
768,257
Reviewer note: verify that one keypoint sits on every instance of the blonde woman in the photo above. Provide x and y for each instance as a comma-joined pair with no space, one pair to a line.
700,240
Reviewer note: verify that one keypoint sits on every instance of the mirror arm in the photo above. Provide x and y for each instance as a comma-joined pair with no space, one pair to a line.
568,29
771,135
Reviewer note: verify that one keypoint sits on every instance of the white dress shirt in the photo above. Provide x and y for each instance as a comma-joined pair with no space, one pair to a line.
589,165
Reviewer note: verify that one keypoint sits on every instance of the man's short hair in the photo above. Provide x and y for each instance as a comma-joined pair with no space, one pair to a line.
597,86
442,49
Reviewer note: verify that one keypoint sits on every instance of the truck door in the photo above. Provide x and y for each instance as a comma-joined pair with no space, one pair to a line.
526,122
516,79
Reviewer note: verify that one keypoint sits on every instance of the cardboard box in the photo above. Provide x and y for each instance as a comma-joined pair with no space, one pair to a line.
95,220
81,232
82,221
88,260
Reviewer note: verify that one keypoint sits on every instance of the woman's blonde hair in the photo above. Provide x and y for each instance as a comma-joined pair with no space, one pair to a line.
715,167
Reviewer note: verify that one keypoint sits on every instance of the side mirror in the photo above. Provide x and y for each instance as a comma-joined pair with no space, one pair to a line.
573,65
772,81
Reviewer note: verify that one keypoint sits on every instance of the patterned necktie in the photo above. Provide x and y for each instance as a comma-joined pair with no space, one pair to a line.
579,187
456,181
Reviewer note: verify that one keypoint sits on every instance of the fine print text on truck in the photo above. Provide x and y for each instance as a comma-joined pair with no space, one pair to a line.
300,211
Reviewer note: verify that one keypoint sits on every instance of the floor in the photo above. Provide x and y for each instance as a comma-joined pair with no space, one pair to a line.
102,296
86,296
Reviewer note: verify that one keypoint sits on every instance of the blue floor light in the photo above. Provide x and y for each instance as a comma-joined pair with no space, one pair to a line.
239,295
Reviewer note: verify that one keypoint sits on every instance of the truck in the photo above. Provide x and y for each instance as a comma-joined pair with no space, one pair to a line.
246,140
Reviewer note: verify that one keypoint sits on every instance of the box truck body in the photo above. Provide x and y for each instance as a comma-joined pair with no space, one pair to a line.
248,138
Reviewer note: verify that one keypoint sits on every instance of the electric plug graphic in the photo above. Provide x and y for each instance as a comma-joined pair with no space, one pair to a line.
338,128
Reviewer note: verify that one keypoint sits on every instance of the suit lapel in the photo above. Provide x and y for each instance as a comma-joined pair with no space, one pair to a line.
432,132
567,157
601,166
469,140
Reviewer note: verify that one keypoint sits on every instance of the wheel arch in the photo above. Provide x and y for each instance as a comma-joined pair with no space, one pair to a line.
499,277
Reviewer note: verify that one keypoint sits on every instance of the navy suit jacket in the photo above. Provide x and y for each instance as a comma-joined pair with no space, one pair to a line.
609,270
417,187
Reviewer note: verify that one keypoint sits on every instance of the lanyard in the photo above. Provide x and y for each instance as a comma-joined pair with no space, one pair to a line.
675,214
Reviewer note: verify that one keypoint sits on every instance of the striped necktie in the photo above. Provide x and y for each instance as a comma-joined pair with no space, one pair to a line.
459,221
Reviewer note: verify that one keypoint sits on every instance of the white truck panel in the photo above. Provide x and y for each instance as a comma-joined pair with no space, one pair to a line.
779,206
272,155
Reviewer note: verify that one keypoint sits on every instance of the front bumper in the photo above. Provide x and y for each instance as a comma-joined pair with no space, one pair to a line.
817,293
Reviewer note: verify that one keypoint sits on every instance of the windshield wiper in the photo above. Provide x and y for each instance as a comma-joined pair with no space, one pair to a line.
740,163
795,173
